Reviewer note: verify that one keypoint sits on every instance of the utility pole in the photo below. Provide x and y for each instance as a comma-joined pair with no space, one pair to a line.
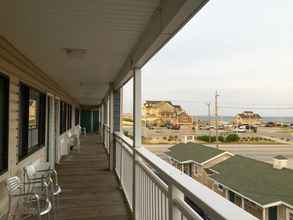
216,118
209,115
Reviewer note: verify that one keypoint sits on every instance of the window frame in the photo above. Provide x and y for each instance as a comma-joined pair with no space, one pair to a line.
24,150
6,135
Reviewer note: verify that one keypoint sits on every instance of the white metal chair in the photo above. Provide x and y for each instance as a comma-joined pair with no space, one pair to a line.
26,203
44,169
41,171
74,138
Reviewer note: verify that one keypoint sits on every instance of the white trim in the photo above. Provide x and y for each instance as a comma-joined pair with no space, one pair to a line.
277,204
50,94
216,157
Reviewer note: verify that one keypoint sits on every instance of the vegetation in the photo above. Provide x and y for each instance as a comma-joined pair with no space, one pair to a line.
228,139
232,138
128,119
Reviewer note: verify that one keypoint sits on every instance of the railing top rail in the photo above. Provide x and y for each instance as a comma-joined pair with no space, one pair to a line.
124,139
214,204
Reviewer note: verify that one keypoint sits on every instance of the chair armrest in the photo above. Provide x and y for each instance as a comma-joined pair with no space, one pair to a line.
34,195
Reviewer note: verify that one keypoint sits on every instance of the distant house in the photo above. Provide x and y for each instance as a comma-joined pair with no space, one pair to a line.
247,118
262,189
165,112
184,118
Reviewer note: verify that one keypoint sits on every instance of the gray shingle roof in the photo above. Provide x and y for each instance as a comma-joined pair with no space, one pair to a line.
256,180
191,151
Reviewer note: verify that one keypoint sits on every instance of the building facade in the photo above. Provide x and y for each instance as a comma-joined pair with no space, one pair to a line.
247,118
233,177
161,113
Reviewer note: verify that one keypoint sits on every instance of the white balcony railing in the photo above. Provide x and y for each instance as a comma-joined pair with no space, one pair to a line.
106,137
161,190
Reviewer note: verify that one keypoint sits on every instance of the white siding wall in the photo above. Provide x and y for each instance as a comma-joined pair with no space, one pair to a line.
19,68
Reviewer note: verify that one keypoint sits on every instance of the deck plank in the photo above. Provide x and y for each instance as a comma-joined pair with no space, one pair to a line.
89,190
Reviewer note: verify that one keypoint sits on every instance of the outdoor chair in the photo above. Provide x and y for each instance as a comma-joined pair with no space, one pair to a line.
73,140
43,168
40,171
23,204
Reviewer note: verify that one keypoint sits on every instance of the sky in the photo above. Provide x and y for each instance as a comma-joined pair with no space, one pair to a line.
242,49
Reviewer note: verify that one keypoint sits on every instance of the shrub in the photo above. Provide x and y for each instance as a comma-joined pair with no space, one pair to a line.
213,139
221,138
203,138
232,138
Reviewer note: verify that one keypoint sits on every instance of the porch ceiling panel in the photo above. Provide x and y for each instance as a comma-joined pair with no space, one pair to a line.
106,31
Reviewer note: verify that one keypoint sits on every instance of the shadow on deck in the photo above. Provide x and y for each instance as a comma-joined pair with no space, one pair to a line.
89,190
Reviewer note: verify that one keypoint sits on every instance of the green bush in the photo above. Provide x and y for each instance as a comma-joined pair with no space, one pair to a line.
232,138
203,138
221,139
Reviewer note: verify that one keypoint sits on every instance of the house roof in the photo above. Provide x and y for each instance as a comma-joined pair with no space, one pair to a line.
256,180
280,157
157,102
249,115
191,151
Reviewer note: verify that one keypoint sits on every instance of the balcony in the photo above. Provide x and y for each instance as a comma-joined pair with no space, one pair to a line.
76,56
90,191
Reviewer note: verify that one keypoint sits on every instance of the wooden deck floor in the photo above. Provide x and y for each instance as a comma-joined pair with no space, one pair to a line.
89,190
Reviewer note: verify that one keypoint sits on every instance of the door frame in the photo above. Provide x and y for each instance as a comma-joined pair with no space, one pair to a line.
56,125
50,142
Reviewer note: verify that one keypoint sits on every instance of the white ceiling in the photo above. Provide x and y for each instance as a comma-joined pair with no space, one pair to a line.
112,32
107,29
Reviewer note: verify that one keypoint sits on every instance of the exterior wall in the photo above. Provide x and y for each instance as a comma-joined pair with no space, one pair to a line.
253,209
249,119
19,68
282,214
184,119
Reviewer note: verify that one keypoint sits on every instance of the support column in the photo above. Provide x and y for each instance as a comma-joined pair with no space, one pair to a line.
111,126
102,122
136,129
116,121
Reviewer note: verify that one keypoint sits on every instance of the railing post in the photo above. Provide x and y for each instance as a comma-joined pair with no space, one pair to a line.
174,193
111,130
136,130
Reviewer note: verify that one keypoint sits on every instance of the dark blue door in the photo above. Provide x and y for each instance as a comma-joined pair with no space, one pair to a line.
273,213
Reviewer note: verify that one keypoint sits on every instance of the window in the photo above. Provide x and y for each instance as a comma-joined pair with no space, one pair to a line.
33,120
4,111
69,117
220,187
76,116
63,109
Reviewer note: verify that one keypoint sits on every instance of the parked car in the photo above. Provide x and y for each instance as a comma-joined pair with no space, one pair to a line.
291,125
240,129
270,124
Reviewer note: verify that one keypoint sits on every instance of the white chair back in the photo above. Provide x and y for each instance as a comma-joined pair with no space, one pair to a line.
30,171
13,185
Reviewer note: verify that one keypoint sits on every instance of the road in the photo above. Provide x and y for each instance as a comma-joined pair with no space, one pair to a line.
259,152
